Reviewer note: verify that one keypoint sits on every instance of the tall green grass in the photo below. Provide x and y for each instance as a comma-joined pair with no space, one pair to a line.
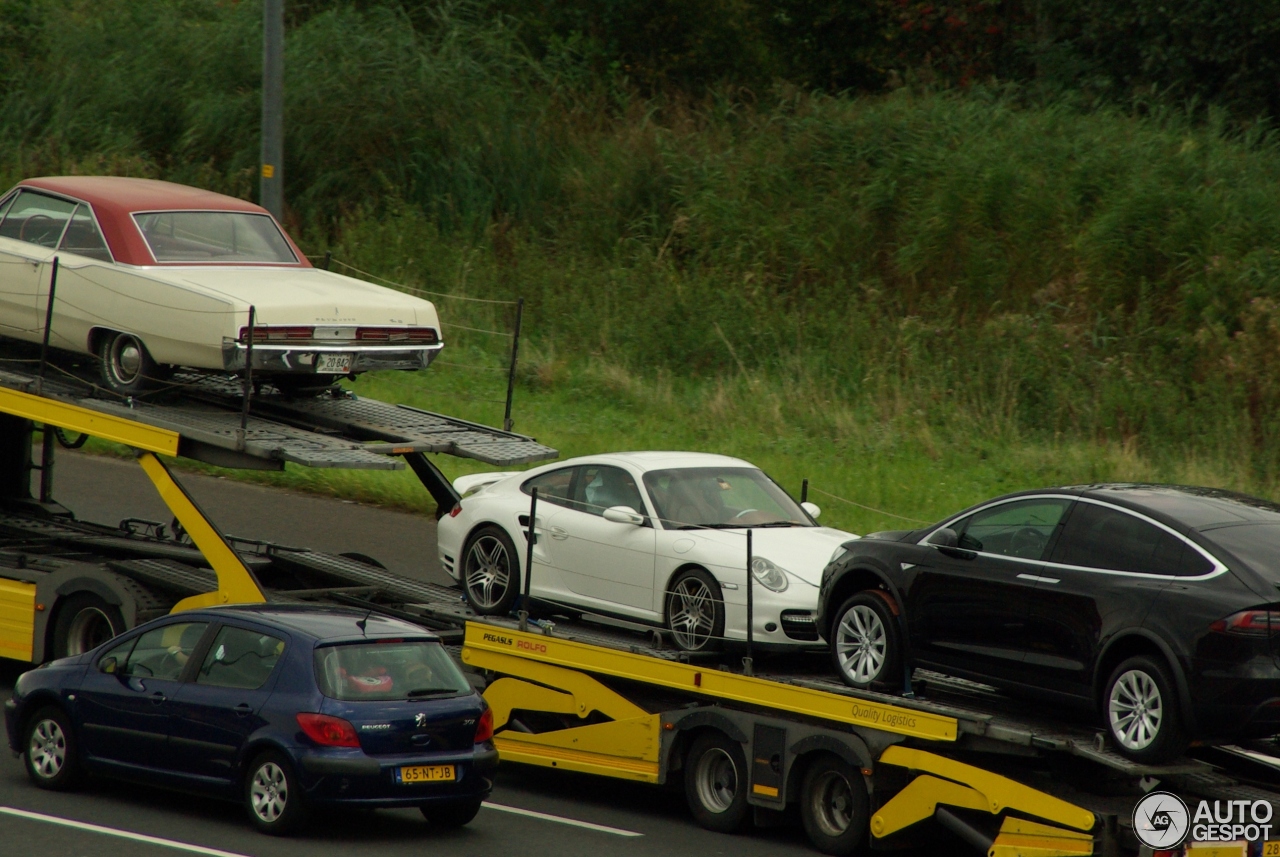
923,284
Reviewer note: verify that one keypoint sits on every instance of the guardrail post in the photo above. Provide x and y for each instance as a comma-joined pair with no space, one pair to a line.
511,372
804,491
248,375
523,614
48,324
748,663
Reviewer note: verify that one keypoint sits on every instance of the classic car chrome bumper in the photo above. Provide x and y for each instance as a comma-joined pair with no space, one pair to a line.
304,358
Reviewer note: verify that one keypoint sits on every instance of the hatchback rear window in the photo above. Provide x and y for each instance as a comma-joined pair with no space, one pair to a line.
394,669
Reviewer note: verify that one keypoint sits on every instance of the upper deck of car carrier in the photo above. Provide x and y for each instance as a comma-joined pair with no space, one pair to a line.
584,693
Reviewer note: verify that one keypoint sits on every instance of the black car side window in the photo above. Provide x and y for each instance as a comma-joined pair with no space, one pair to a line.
552,487
1021,529
120,656
240,658
1102,537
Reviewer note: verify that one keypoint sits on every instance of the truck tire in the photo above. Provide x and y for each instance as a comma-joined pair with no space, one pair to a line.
85,621
834,806
715,783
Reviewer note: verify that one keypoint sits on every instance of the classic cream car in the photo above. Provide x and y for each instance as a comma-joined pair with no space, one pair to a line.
154,275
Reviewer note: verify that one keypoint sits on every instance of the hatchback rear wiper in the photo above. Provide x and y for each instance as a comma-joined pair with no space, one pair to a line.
430,691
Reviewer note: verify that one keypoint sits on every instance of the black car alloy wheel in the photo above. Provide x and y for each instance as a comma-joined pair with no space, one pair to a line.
1142,711
865,641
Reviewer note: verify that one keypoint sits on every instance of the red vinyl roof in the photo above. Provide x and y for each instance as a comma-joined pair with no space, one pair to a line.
115,198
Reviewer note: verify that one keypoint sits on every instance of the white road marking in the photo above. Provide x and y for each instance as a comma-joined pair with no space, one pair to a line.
616,831
123,834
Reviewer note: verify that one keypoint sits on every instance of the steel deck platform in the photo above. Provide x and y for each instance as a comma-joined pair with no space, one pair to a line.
337,429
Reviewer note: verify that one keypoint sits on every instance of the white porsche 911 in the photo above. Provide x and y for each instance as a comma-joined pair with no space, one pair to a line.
654,537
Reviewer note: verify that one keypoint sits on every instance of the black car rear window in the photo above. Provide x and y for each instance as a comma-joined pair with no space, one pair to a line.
388,669
1256,544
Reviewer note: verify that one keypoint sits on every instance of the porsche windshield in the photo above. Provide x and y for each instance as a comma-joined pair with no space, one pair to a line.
214,236
721,497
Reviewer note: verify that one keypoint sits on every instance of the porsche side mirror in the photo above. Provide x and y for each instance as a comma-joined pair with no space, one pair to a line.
944,538
812,508
623,515
109,665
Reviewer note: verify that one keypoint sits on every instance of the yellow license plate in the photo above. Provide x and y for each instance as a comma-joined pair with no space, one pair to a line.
426,774
1271,849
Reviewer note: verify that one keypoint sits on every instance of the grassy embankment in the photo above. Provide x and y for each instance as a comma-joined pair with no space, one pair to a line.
916,301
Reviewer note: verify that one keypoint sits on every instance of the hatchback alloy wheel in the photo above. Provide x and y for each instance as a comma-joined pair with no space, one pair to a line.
47,749
269,793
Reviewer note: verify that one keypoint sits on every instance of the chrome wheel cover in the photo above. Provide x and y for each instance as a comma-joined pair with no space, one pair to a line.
1135,710
89,629
124,360
488,572
691,607
831,803
862,644
47,749
269,792
716,779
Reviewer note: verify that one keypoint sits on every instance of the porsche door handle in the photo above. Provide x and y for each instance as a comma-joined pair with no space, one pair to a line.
558,533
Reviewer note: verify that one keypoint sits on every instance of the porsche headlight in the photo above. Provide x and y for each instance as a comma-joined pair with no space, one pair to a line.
769,575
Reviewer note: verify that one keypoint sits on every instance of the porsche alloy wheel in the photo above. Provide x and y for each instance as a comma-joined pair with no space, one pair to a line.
490,572
695,611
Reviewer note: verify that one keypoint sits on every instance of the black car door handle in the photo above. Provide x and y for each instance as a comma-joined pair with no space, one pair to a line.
157,698
243,709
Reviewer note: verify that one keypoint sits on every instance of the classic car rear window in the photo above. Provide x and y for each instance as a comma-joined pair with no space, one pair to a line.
214,236
388,669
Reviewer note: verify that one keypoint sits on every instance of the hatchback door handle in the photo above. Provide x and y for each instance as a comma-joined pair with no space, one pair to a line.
243,709
157,698
559,533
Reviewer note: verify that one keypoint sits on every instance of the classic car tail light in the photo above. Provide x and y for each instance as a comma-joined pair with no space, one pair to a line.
413,335
484,729
1250,623
268,333
328,731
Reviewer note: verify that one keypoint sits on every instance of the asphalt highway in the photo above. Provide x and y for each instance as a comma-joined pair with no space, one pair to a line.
532,811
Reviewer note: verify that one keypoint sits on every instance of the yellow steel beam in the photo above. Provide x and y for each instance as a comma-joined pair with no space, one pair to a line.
511,750
17,619
1021,838
236,584
65,415
919,800
1001,793
485,643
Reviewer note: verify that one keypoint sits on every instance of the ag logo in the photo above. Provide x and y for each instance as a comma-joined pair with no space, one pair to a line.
1160,820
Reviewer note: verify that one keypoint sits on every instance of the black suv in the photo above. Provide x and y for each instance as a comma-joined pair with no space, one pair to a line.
1158,606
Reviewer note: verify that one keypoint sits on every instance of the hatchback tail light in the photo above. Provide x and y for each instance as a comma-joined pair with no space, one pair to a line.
1249,623
329,731
484,729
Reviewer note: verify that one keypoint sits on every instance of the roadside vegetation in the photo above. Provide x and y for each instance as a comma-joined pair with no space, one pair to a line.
916,297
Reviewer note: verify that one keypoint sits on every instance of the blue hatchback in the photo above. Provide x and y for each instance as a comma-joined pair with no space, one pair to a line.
286,708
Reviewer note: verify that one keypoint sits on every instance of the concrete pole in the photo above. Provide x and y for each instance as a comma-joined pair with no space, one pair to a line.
271,189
